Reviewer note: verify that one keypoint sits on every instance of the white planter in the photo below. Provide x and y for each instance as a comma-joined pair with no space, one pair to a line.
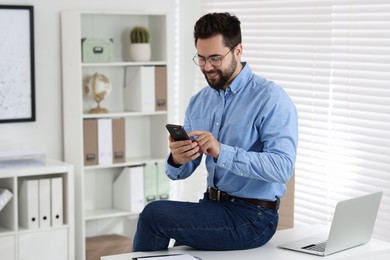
140,51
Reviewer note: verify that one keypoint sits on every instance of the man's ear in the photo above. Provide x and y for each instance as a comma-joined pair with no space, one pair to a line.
238,50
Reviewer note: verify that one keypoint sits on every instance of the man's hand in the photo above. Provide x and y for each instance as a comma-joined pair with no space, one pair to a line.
207,143
183,151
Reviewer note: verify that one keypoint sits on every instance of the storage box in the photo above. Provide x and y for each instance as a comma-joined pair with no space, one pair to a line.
139,91
286,210
107,245
96,50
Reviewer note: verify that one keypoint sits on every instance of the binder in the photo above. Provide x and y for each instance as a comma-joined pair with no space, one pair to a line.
57,212
28,204
150,182
163,182
104,141
90,142
161,88
44,203
118,140
129,189
138,93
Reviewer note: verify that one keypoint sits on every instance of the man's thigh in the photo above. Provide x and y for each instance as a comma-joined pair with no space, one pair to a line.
211,225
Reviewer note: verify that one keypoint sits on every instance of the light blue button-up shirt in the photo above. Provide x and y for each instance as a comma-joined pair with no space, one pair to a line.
256,124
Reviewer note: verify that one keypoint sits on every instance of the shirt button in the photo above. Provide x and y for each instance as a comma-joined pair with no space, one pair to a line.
223,165
217,123
242,174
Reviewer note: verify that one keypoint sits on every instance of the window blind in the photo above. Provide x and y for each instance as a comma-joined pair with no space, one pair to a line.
333,59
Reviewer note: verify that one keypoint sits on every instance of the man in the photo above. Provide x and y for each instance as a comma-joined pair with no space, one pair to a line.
246,127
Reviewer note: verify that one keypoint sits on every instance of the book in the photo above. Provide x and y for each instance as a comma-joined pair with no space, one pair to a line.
90,142
29,204
5,196
161,88
118,140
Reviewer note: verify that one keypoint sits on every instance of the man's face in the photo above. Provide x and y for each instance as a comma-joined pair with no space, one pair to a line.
218,77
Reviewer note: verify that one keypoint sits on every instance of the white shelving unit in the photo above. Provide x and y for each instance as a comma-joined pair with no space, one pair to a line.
44,243
145,133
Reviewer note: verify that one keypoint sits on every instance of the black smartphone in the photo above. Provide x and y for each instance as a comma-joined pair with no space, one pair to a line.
177,132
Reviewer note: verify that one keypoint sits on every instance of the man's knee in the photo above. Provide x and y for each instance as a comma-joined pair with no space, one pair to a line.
152,211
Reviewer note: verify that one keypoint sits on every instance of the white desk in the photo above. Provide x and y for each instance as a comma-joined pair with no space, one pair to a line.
374,250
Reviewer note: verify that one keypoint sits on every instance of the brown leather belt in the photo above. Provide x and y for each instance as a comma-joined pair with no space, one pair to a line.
217,195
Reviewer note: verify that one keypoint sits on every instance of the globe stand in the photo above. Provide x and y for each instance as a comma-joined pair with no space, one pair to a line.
98,97
98,110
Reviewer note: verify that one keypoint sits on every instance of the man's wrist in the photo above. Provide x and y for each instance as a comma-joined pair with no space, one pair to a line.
172,162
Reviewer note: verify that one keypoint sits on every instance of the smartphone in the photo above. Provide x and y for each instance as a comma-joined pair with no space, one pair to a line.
177,132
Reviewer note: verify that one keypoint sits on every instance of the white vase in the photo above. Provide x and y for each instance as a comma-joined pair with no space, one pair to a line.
140,51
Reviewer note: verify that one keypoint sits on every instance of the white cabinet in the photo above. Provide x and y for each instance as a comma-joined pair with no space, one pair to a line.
45,241
146,139
7,248
44,245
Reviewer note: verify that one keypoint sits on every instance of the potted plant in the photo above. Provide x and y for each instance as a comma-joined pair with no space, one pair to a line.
140,44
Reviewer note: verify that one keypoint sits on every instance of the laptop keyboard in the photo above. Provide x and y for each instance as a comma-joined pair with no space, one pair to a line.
320,247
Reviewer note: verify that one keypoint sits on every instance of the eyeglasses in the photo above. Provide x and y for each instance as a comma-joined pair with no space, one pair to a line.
216,61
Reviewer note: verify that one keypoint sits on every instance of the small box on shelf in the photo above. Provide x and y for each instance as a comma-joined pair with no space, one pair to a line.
96,50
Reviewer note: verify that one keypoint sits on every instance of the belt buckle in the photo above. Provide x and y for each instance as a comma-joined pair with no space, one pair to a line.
218,195
277,204
212,192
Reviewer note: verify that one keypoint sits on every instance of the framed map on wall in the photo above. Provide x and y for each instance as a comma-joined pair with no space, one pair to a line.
17,79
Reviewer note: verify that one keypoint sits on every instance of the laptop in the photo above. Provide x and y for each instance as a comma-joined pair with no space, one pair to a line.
352,225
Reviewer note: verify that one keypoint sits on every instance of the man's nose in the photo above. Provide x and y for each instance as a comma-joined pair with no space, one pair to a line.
208,65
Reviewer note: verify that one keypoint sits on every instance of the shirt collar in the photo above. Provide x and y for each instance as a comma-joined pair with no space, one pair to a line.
240,80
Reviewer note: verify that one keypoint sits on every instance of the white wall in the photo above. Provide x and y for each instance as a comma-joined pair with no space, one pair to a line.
46,132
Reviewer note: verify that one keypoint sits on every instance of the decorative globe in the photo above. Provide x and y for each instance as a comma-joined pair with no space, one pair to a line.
98,88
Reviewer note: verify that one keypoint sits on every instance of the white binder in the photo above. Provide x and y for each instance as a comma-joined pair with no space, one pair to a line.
29,204
104,141
57,202
44,203
139,91
129,190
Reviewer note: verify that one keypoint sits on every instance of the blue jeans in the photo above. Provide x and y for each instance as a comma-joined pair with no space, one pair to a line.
207,225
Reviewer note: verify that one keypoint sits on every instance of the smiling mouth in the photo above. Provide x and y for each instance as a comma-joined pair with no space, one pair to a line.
212,75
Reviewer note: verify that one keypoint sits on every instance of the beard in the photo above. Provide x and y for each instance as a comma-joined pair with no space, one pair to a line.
222,76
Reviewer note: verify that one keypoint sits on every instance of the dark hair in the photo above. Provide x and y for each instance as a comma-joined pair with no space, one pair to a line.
213,24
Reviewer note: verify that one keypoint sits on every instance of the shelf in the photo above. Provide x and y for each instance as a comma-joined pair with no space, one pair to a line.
25,230
145,138
124,114
20,238
5,231
129,162
106,213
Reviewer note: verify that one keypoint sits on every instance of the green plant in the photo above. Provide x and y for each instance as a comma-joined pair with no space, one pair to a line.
139,34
